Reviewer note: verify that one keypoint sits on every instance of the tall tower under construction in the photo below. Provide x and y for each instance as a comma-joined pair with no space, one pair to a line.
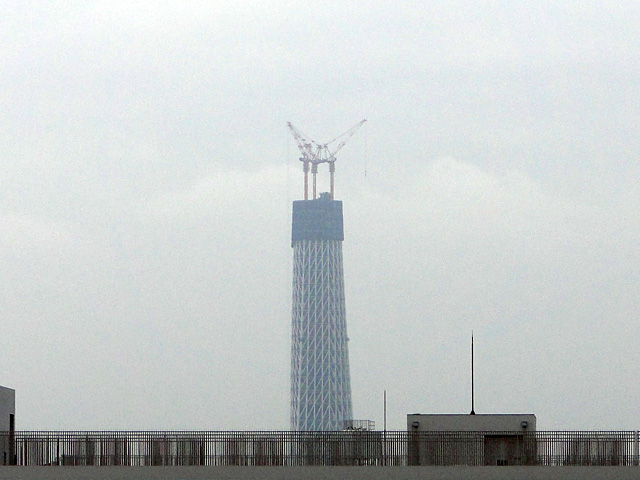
320,379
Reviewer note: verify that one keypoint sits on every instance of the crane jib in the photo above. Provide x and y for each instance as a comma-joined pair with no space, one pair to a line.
314,153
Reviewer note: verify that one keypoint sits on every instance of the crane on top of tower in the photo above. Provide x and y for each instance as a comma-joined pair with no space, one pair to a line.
314,153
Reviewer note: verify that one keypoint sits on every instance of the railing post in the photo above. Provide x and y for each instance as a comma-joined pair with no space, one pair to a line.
13,460
413,451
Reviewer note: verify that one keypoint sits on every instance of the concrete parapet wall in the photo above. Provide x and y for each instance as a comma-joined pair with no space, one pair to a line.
470,423
320,473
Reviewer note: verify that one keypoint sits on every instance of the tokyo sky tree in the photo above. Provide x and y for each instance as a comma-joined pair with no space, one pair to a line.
320,379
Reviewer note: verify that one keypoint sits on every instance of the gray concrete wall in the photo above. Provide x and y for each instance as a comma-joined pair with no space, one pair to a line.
7,407
320,473
470,423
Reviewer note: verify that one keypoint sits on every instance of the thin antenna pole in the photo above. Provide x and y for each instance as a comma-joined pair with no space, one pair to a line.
473,410
384,443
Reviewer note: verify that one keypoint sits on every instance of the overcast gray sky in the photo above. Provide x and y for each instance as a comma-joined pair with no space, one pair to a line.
146,181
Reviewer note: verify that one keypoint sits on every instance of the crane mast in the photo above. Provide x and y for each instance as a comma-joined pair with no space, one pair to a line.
313,154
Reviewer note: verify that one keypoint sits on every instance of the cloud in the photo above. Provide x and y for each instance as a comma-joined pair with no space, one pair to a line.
31,234
460,248
223,192
146,207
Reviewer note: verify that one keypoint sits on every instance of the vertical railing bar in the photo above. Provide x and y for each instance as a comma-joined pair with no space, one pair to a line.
323,448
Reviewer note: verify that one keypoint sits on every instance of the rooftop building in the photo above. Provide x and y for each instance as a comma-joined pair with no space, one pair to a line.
7,424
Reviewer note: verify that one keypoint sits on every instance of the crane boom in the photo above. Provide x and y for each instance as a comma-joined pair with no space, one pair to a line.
307,155
346,136
315,154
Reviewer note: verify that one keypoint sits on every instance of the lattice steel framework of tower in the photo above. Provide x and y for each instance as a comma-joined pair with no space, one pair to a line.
320,378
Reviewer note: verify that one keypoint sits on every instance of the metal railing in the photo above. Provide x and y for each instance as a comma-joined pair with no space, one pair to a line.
357,447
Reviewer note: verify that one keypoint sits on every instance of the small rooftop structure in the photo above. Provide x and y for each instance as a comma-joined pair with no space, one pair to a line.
493,439
7,424
361,425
